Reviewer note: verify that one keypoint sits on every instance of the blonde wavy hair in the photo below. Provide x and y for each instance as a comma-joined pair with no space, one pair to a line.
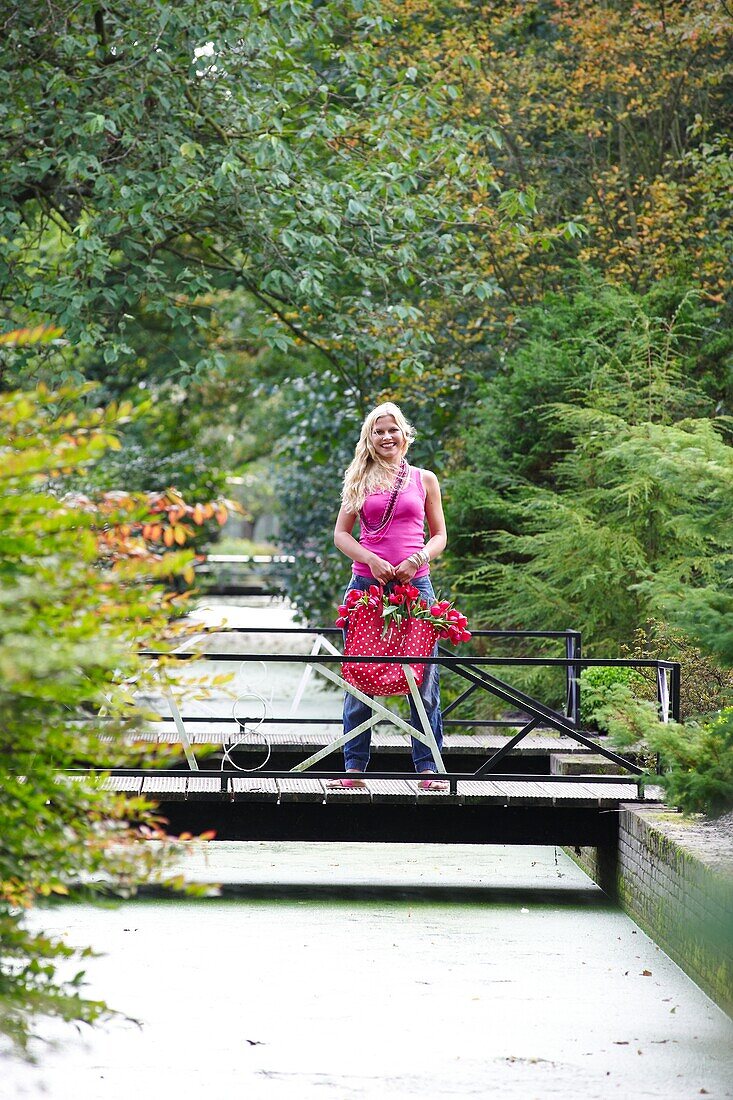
367,472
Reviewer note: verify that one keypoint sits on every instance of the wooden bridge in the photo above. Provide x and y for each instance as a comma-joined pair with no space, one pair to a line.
503,810
244,574
512,779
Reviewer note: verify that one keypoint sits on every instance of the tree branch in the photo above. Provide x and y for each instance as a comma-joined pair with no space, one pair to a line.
266,300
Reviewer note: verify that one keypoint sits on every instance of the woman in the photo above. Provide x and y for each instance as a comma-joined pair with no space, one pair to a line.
392,501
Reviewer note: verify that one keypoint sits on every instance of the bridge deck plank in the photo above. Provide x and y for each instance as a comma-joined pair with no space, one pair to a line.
610,794
433,797
170,788
570,794
536,793
392,790
474,791
203,788
123,784
251,789
347,794
301,790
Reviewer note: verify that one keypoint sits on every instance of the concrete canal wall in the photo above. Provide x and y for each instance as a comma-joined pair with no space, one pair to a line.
674,877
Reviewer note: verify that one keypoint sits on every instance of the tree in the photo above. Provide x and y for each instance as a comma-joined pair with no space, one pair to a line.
616,115
596,492
76,604
159,156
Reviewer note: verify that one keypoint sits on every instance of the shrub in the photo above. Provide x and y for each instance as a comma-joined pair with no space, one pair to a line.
75,607
695,760
595,685
699,759
594,488
705,685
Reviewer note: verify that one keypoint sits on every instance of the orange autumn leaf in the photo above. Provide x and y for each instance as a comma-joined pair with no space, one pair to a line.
38,334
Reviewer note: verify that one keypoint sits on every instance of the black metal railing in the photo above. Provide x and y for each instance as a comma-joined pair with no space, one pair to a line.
475,671
571,639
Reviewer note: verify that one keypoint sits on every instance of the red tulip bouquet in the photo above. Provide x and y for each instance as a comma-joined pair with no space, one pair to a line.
399,624
404,603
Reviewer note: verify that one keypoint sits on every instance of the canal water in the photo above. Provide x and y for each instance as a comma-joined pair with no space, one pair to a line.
351,983
347,971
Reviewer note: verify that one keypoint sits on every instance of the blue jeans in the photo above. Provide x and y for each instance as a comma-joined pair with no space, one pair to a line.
356,751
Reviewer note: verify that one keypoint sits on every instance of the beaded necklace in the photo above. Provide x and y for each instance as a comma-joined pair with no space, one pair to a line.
400,481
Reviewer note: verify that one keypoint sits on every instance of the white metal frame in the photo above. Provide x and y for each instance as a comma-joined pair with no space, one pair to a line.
425,734
171,700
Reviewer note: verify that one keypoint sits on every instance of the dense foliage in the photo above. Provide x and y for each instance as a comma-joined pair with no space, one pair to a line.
158,155
598,683
58,654
614,119
706,686
594,489
695,761
617,113
75,605
187,186
248,222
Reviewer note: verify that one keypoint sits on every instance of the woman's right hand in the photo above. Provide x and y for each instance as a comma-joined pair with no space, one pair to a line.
381,570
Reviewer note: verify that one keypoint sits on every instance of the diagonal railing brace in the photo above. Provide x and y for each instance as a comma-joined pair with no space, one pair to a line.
537,710
489,764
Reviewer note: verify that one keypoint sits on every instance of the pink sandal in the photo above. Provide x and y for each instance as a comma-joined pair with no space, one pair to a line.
433,785
347,783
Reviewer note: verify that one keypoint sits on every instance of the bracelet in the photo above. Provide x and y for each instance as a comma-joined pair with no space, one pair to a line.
420,558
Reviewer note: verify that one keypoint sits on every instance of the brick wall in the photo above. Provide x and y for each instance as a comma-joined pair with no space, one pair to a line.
682,902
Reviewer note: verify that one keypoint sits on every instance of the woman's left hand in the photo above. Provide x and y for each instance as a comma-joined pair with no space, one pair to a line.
405,571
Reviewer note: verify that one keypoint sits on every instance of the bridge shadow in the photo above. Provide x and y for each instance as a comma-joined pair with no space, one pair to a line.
569,897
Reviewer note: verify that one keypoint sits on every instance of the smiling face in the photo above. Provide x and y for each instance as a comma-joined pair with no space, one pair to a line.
388,439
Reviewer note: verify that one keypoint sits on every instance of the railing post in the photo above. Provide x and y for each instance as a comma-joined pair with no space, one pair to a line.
663,693
573,651
675,686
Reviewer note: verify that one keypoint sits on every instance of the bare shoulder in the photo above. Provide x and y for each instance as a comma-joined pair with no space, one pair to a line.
345,520
430,481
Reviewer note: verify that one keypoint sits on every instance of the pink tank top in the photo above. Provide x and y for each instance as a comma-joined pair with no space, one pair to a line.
405,534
